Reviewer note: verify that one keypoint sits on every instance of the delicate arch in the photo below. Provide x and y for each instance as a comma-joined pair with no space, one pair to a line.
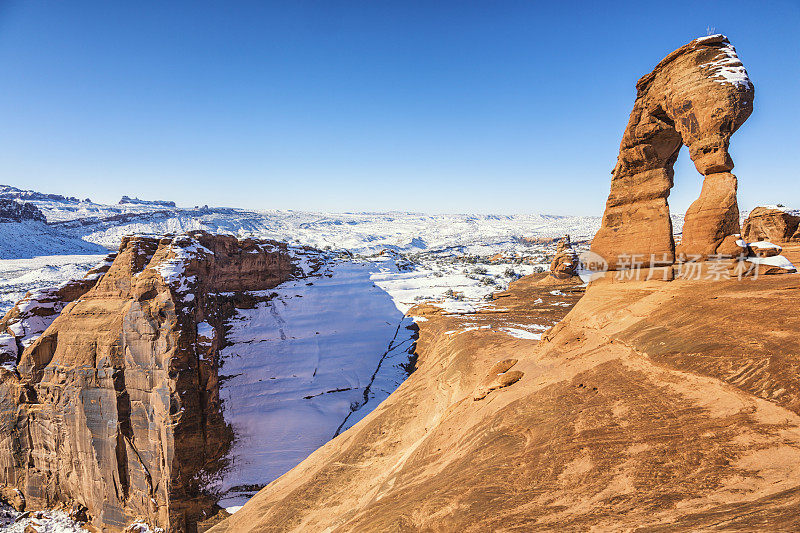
697,96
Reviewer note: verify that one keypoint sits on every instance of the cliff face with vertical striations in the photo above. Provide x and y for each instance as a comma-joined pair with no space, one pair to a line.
697,96
115,406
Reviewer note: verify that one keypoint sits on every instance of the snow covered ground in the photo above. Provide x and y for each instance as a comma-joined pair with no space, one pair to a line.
31,238
12,521
318,354
303,366
324,351
52,521
18,276
455,282
362,233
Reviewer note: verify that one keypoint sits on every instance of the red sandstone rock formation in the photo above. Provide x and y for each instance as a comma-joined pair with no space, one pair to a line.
565,263
771,224
115,406
697,96
24,322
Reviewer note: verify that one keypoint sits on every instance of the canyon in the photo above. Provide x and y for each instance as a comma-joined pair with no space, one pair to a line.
659,402
228,371
636,411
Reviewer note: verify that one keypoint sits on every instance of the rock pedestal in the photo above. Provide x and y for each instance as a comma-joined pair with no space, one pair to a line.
565,263
711,218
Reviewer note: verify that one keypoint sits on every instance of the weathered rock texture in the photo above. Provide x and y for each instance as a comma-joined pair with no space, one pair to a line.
770,224
651,407
28,319
115,406
697,96
565,263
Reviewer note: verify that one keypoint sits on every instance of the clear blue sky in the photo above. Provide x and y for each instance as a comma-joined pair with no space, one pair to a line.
501,107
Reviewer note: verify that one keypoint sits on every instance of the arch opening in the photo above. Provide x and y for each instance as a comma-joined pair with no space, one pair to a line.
681,103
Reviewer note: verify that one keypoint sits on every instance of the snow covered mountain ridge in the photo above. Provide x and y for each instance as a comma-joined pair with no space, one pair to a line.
359,233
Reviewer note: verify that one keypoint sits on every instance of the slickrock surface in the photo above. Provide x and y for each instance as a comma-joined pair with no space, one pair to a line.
771,224
115,406
697,96
652,406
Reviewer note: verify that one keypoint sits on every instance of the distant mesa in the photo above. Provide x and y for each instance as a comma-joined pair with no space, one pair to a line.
697,96
136,201
14,211
8,192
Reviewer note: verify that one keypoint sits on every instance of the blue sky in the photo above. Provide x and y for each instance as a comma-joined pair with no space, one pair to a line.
492,107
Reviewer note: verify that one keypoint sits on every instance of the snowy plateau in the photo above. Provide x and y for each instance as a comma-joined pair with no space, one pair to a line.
325,349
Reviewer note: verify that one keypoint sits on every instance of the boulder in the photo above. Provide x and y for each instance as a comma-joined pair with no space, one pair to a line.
732,246
697,96
12,497
755,267
771,224
765,249
499,376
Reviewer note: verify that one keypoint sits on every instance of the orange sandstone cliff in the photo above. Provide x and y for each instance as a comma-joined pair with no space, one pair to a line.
114,409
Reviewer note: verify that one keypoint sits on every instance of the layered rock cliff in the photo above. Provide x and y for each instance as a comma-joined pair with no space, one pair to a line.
114,407
697,96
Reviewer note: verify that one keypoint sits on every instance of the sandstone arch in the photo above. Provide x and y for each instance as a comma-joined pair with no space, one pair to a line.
697,96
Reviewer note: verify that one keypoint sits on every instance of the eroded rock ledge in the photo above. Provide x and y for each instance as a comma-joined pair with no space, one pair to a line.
115,408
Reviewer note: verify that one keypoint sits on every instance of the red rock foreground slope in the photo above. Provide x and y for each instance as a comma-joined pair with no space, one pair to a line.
652,405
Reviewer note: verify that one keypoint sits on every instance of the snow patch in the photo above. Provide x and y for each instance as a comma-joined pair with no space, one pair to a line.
307,363
764,245
522,334
205,333
11,521
729,69
776,260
